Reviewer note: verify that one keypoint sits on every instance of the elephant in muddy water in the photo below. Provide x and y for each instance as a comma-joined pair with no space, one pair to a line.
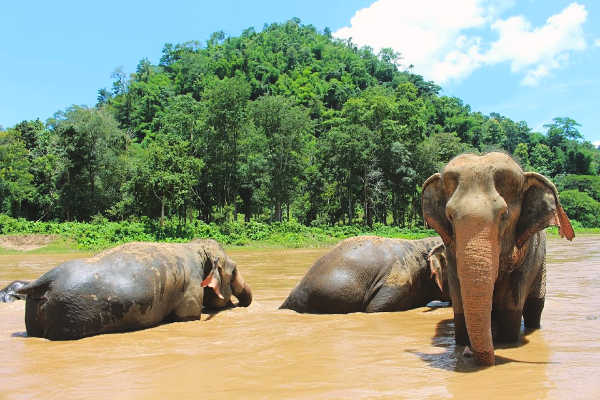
8,294
372,274
132,286
491,215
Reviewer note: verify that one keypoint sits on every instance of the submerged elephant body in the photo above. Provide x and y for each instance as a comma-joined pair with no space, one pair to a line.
133,286
491,215
9,293
369,274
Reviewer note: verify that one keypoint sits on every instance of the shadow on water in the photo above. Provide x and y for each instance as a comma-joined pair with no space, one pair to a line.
452,359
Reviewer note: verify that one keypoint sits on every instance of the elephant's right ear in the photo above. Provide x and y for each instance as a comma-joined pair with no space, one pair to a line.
213,279
433,202
541,208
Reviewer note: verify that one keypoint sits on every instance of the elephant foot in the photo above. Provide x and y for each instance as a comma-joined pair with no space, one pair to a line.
484,358
460,330
532,312
509,325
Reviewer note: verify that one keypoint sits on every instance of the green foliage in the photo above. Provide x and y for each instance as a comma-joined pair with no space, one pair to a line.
589,184
101,233
286,124
15,179
581,207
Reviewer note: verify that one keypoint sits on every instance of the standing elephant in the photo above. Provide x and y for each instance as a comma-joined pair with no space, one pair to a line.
8,294
491,215
132,286
371,274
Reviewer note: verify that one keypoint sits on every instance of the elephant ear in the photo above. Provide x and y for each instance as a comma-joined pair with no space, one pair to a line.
213,279
433,202
541,208
437,263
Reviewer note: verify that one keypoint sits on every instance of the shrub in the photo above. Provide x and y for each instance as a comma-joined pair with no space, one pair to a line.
581,207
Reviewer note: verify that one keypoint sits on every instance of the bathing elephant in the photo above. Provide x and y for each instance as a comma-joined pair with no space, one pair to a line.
132,286
8,294
371,274
491,215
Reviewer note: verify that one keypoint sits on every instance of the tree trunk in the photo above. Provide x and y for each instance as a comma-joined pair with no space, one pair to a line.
162,212
278,211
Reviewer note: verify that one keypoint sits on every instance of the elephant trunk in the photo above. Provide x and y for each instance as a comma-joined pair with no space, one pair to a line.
477,261
241,289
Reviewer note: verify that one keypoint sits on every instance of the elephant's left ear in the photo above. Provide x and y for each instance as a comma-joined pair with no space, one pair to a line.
541,208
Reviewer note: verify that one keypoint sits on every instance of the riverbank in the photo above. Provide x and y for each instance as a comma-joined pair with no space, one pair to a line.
19,235
102,234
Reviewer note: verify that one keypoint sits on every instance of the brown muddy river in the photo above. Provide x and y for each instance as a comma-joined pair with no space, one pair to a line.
261,352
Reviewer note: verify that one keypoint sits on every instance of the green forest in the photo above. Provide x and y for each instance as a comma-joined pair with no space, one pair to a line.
281,125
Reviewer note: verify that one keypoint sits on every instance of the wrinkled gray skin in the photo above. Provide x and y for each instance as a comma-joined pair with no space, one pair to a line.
371,274
8,294
130,287
491,216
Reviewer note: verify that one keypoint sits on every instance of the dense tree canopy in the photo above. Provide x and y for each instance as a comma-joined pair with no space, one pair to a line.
272,125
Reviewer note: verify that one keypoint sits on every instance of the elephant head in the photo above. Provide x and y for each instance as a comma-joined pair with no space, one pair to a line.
486,209
225,279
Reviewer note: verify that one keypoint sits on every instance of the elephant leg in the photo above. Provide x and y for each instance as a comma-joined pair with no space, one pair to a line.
508,325
389,298
461,336
532,312
187,310
190,307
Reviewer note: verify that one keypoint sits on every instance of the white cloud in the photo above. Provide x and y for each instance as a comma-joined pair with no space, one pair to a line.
597,42
538,51
597,143
440,37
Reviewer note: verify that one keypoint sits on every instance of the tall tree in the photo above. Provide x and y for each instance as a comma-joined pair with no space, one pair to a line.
89,142
286,128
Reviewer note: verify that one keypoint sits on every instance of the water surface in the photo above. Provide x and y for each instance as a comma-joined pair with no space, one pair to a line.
261,352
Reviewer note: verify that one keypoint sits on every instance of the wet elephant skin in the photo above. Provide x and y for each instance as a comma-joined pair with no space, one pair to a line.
368,274
8,294
133,286
491,216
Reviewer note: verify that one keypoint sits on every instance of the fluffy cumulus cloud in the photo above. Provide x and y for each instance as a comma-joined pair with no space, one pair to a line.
443,39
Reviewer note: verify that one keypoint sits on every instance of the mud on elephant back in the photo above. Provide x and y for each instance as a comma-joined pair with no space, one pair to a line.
491,216
372,274
132,286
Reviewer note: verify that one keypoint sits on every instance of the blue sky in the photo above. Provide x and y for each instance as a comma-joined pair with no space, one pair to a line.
530,60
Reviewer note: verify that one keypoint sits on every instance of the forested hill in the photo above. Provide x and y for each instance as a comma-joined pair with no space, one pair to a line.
283,123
